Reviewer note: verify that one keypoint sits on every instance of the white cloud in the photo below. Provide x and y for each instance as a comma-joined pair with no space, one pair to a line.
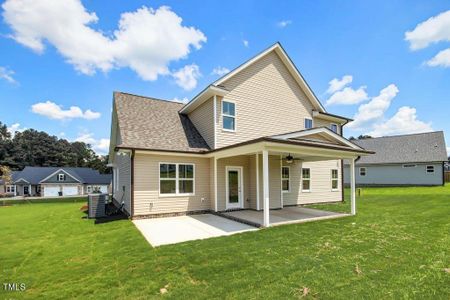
7,75
15,128
100,146
284,23
183,100
441,59
403,122
146,40
220,71
187,76
245,42
433,30
54,111
448,151
375,108
338,84
348,96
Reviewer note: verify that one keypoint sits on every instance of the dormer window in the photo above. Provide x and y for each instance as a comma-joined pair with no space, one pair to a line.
61,177
308,123
228,116
334,128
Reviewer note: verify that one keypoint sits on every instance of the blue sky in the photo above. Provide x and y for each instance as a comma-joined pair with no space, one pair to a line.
73,58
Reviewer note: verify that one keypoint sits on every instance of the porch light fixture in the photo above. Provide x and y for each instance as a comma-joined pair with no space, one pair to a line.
289,159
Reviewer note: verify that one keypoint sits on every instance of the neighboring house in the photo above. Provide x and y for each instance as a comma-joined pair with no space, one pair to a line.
2,187
257,138
57,181
414,159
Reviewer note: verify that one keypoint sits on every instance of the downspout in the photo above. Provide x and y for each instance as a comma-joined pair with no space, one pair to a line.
443,173
132,184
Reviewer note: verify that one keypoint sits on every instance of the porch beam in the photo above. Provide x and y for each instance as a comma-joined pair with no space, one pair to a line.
265,158
352,186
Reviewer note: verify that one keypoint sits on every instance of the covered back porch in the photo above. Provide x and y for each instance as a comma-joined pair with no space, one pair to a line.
264,182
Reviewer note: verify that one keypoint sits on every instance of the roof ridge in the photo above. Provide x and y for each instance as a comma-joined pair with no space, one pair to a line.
147,97
400,135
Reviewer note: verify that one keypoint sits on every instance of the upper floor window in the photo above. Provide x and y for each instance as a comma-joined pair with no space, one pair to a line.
228,116
308,123
334,128
61,177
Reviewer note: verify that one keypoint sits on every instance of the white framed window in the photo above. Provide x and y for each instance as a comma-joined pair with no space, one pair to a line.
308,123
10,188
89,189
409,166
285,182
334,127
334,179
430,169
228,116
306,179
362,171
61,177
176,179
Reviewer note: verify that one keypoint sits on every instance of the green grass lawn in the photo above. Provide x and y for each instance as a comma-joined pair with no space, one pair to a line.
397,247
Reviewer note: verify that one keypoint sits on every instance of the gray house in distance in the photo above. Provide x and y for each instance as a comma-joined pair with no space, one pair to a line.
414,159
57,181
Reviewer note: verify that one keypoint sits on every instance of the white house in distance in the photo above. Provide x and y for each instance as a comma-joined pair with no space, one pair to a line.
256,139
413,159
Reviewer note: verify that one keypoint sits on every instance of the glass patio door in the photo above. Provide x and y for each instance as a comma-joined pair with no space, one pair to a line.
234,187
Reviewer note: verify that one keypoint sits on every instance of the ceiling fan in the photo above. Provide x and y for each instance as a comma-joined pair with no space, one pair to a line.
290,159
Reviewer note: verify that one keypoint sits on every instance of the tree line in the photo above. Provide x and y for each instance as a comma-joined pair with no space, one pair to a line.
39,149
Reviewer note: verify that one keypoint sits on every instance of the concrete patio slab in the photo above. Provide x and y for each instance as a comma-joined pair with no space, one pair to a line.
287,215
172,230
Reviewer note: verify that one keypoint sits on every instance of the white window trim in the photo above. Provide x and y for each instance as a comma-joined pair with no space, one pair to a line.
409,166
59,177
12,188
230,116
426,169
337,127
332,179
177,179
286,179
365,171
304,122
89,189
309,190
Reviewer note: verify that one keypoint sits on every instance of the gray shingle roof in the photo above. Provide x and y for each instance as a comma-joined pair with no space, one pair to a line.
412,148
34,175
148,123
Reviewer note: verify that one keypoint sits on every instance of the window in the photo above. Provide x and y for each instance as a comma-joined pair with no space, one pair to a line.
306,179
228,116
285,174
334,128
176,179
308,123
89,189
430,169
362,171
334,179
116,178
409,166
10,188
61,177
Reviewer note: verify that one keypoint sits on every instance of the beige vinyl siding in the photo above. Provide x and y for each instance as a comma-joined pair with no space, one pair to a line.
324,123
146,186
268,101
203,119
274,182
320,190
122,192
236,161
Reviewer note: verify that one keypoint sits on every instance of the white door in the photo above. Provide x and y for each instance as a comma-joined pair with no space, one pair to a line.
51,191
234,187
70,190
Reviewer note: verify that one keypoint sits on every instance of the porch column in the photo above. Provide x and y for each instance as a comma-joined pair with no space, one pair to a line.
352,186
257,181
265,158
15,190
215,184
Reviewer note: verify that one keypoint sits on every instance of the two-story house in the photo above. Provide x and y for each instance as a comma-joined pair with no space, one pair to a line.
257,138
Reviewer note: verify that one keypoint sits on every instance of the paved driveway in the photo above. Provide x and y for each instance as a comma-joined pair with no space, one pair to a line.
172,230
